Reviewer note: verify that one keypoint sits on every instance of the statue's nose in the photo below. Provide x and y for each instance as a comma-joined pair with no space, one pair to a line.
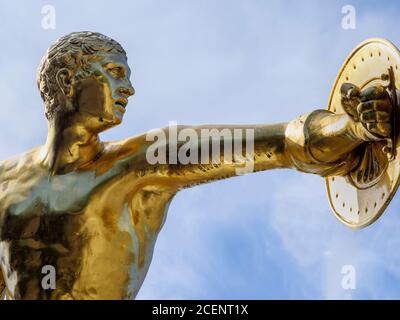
127,92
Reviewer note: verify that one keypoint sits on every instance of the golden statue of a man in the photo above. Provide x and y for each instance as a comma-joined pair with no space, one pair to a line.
93,209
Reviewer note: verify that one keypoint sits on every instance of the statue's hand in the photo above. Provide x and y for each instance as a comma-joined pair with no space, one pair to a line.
371,110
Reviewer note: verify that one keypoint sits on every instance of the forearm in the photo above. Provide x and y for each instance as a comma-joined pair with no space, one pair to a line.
319,142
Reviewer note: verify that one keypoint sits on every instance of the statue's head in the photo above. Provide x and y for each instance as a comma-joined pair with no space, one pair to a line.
85,76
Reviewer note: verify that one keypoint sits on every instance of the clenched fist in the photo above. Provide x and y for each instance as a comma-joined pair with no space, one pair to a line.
371,109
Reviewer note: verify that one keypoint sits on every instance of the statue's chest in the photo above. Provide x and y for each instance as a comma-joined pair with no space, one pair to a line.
102,205
67,193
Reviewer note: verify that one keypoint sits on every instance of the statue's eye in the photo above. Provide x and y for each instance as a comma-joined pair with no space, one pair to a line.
115,72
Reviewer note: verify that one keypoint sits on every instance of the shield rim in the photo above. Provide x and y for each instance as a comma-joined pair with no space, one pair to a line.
396,185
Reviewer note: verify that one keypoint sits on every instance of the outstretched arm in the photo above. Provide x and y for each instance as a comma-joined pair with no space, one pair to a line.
319,142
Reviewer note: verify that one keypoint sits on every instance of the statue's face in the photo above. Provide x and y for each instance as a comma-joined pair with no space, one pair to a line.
103,97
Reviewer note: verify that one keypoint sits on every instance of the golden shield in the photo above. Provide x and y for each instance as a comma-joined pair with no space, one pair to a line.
361,197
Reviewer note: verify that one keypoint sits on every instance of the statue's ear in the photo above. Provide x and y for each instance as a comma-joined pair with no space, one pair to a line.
64,81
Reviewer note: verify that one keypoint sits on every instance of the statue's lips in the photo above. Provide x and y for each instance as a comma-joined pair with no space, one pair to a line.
122,103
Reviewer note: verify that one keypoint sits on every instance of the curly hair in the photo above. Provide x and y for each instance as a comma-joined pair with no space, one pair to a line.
74,52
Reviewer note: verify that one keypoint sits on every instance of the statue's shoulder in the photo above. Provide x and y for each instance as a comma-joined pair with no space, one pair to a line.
18,165
123,149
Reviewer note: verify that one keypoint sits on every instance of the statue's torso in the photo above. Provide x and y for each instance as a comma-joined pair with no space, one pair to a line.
98,231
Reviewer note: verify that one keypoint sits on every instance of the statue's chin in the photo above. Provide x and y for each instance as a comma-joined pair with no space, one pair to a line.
107,123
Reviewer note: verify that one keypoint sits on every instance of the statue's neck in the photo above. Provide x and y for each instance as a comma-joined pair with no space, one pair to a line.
69,147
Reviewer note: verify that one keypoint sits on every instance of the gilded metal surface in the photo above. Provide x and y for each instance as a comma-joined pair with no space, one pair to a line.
93,209
360,198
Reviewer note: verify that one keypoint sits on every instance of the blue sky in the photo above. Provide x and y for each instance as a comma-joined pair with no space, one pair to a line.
259,236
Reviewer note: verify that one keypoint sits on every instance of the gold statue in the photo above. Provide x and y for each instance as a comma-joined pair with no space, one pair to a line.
93,209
